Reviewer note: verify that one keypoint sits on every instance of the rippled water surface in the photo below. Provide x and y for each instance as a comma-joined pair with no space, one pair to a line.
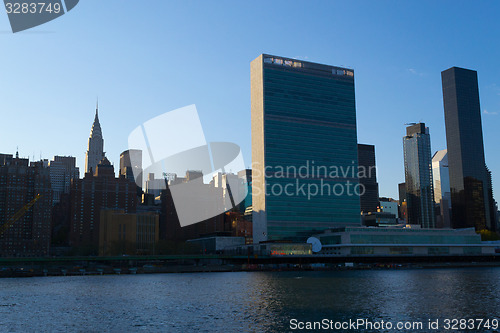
248,302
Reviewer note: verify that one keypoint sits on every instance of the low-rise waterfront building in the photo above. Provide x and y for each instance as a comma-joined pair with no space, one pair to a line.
270,249
402,241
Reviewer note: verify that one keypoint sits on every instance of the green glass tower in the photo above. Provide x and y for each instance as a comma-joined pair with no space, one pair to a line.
304,148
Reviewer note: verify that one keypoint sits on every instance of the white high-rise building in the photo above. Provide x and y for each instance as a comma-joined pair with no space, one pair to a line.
441,176
95,150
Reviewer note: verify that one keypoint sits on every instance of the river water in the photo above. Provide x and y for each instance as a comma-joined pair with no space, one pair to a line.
250,301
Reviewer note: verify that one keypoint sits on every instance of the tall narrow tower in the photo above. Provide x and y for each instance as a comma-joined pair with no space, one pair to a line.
469,184
418,176
366,161
95,150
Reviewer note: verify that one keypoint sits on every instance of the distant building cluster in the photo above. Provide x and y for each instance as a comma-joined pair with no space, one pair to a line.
306,112
47,209
309,177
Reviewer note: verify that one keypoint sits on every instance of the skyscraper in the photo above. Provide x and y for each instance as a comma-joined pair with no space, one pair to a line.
368,178
403,213
303,129
131,165
20,183
418,176
63,169
442,196
246,205
470,200
441,175
492,202
95,149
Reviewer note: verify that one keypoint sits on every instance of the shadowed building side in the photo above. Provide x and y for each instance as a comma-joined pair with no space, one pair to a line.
20,182
93,193
368,178
464,137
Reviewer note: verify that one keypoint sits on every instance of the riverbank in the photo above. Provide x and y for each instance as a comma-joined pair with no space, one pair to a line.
79,268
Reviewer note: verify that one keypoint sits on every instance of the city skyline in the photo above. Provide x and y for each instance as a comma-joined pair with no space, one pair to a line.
391,88
263,166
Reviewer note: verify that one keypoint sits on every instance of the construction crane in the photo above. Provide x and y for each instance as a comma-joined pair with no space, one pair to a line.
410,124
19,214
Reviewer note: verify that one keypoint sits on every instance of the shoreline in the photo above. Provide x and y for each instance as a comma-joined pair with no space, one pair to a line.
95,270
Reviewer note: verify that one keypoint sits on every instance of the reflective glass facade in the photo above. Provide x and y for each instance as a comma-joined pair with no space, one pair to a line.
464,137
304,148
418,176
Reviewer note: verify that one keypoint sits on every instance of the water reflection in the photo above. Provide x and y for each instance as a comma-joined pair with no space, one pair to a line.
250,302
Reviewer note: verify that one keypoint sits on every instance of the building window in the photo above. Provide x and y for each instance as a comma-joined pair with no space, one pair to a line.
400,250
438,250
362,250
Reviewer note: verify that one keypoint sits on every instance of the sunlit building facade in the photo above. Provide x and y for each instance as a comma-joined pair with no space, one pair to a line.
303,115
442,196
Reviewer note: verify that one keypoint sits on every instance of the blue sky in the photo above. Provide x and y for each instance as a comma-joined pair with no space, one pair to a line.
144,58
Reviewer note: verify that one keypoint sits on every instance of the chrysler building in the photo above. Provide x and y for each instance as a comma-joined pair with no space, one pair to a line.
95,150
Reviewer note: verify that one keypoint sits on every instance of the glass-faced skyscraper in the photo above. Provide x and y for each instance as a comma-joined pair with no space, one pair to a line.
304,148
464,136
418,176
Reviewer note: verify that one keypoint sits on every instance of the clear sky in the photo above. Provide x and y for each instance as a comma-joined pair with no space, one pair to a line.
144,58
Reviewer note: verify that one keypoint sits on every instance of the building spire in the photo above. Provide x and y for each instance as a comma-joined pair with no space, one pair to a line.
17,152
95,150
